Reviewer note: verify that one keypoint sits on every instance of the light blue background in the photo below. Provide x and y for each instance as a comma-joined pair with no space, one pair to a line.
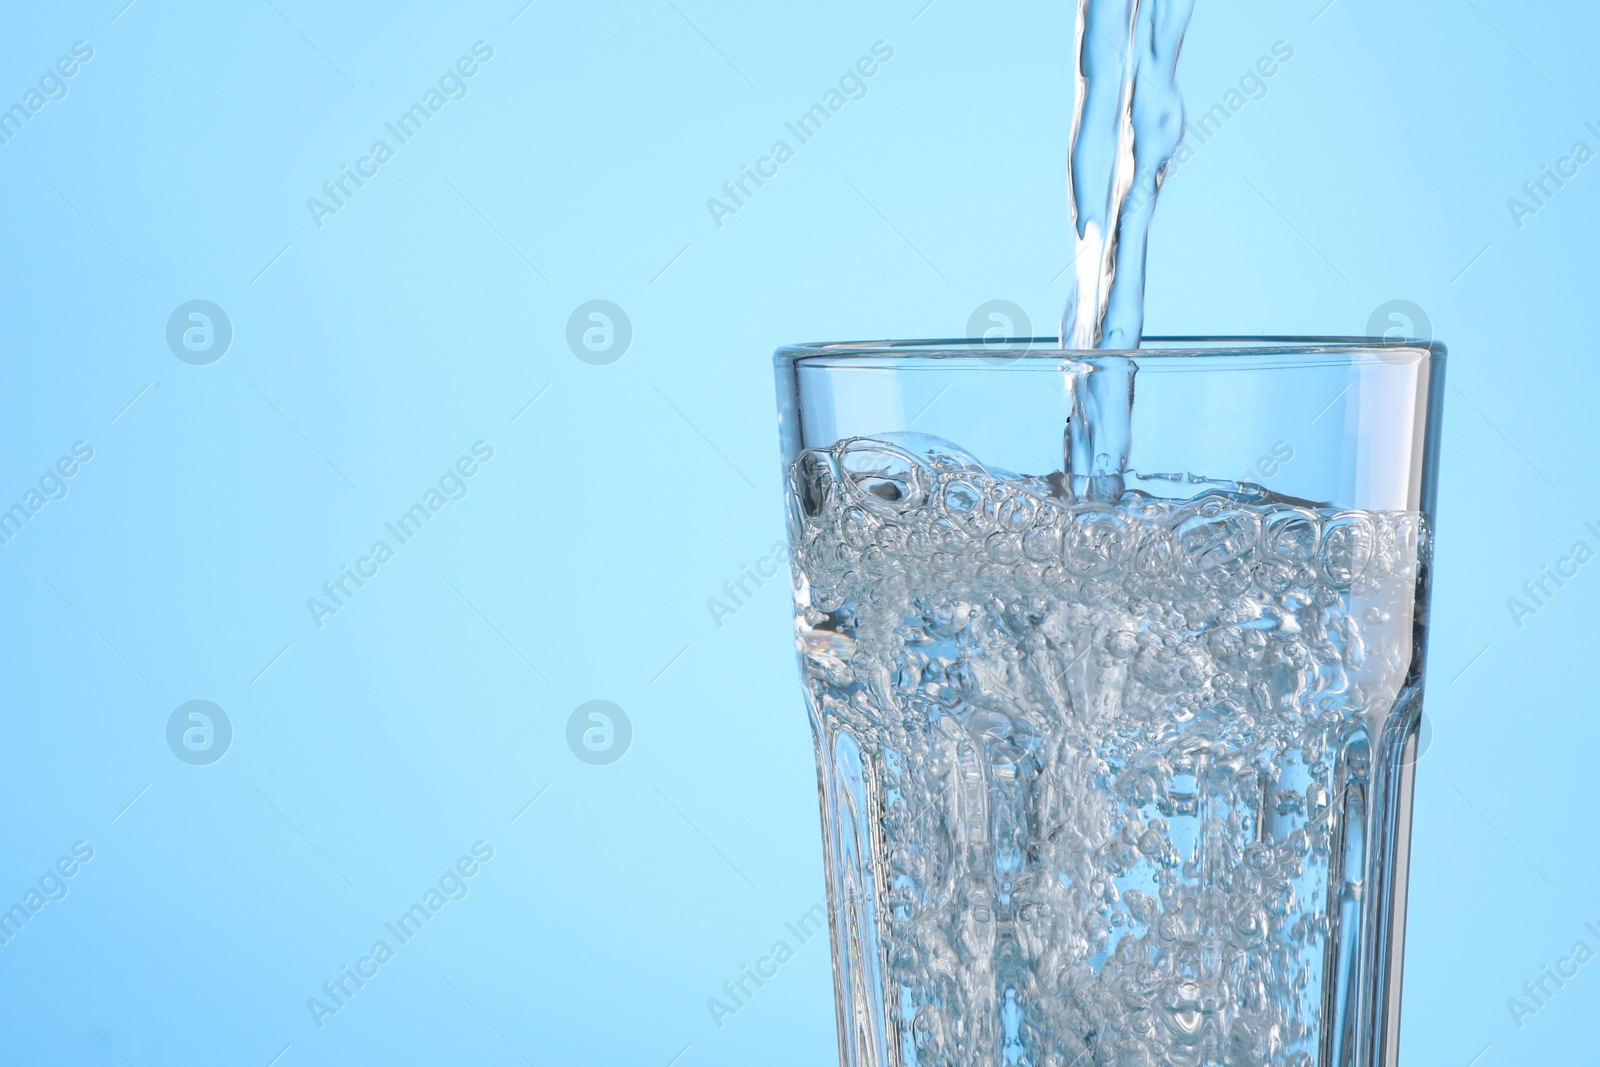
432,308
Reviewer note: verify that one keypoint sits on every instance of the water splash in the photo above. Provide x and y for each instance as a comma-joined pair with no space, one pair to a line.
1126,125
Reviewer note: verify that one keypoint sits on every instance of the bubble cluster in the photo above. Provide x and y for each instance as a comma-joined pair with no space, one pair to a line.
1088,766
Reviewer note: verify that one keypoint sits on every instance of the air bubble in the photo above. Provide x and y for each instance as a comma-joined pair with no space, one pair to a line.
1099,742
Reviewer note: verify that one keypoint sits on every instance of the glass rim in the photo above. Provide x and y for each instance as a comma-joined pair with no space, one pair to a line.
1161,347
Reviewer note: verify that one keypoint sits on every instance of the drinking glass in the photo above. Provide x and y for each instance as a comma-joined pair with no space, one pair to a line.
1114,666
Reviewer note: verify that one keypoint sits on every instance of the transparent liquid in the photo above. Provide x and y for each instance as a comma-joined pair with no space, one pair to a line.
1095,774
1127,121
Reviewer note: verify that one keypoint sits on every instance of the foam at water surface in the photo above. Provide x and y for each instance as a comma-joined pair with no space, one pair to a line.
1095,773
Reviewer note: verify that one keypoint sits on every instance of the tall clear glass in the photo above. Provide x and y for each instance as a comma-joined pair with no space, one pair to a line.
1115,716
